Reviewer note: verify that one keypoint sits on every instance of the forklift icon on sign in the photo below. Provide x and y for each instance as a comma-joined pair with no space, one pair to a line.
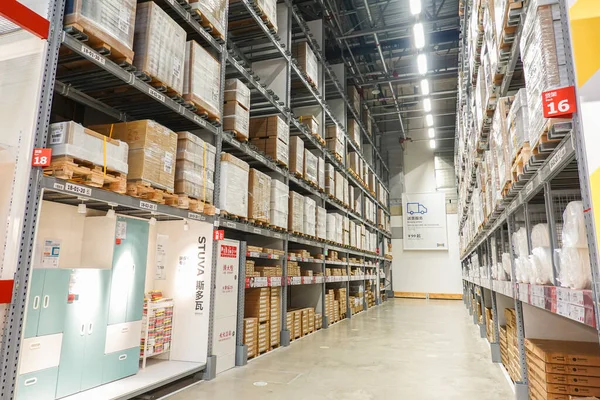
416,208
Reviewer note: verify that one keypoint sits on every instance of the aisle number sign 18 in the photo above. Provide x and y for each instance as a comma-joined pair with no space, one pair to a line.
559,102
41,157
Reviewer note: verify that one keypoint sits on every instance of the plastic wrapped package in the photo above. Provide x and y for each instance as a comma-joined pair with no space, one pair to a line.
523,269
309,222
321,223
152,151
358,202
540,236
269,9
518,123
329,179
355,163
213,13
259,196
159,46
195,166
499,144
201,78
235,90
575,268
339,186
236,118
506,264
296,156
108,21
296,212
346,231
541,262
352,233
573,231
331,227
307,61
192,148
234,185
354,131
519,239
278,212
345,199
339,228
311,166
321,173
73,140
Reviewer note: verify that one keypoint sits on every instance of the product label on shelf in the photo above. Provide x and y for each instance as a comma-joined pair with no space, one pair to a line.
295,280
559,102
51,253
161,257
71,187
92,55
148,206
557,158
121,230
275,281
197,217
156,95
306,280
258,231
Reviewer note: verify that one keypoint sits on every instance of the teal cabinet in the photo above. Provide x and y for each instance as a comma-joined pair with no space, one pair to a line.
129,272
47,303
120,364
38,385
84,334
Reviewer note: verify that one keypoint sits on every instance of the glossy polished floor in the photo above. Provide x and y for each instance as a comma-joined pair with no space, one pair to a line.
405,349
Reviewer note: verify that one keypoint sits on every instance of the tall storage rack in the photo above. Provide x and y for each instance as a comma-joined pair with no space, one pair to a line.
246,55
553,177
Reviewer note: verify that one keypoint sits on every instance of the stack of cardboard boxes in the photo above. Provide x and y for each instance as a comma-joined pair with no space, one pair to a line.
275,316
250,272
234,185
259,196
194,169
236,112
489,325
293,268
271,135
278,212
262,308
296,158
336,142
513,365
302,321
251,336
307,61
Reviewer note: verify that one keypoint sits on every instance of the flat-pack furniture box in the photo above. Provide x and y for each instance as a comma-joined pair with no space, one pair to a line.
354,132
269,13
159,46
111,22
234,185
152,151
296,156
237,119
259,196
273,126
195,167
274,148
213,13
335,141
307,61
355,163
202,79
235,90
309,223
257,304
251,335
311,167
278,212
296,212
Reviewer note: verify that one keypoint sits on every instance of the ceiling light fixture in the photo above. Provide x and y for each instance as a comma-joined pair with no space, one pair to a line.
432,144
429,120
431,132
424,87
415,7
422,63
419,36
427,104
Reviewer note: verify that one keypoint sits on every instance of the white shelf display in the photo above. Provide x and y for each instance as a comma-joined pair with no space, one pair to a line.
157,328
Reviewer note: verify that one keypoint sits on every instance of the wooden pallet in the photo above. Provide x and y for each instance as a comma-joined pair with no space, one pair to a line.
509,31
162,86
183,201
543,144
319,139
277,228
144,190
97,40
82,171
260,222
240,137
233,216
197,107
210,28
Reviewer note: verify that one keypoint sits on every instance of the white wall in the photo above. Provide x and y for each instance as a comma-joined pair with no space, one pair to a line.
425,271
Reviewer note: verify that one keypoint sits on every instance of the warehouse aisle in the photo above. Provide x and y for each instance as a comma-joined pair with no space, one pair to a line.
405,349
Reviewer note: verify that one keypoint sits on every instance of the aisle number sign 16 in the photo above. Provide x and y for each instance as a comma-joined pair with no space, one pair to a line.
559,102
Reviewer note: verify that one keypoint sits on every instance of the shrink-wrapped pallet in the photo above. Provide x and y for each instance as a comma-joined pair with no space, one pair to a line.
541,266
311,166
201,79
339,186
354,98
279,204
499,146
355,163
351,198
339,228
73,140
237,119
354,132
235,90
358,202
518,123
329,179
106,21
335,141
321,223
259,196
352,233
194,170
213,14
296,156
321,173
152,151
309,222
345,231
345,191
296,212
159,46
540,236
307,61
234,185
331,227
274,148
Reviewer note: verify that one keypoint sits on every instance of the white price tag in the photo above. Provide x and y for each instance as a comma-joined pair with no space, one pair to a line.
92,55
277,235
557,158
148,206
86,191
156,95
258,231
197,217
231,225
58,186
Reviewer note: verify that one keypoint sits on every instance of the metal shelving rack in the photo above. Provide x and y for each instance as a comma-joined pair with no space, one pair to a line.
551,180
152,103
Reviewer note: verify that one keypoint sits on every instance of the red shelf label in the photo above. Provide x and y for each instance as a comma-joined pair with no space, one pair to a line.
219,234
559,102
41,157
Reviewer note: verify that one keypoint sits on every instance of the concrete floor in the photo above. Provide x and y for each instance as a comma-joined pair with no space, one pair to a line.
404,349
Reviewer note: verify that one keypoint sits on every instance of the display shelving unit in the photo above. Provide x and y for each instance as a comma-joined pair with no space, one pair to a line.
551,179
248,56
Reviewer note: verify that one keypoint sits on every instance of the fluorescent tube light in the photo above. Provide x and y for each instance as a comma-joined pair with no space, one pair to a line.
424,87
429,120
415,7
432,144
422,63
431,132
419,36
427,104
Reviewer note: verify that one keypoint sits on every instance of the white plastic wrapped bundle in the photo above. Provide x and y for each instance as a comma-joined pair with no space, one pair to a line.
311,166
159,46
279,204
321,172
541,260
574,233
506,264
339,228
540,236
518,124
523,269
322,223
519,239
296,155
309,222
234,185
202,77
194,169
346,230
575,268
352,233
329,179
331,227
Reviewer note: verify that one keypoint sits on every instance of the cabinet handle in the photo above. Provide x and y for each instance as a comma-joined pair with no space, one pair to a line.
35,346
90,328
30,381
125,330
122,357
46,301
82,330
36,302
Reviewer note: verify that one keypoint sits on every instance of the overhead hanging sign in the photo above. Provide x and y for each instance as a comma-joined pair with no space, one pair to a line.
424,217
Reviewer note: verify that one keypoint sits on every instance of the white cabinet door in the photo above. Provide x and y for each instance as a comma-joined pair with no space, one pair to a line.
122,336
40,352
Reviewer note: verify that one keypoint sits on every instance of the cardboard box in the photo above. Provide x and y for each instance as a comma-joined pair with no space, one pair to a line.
202,79
311,122
234,185
152,150
235,90
213,12
259,196
309,225
273,126
278,212
307,61
296,212
354,132
296,156
311,166
236,118
159,46
195,166
329,179
354,98
565,352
